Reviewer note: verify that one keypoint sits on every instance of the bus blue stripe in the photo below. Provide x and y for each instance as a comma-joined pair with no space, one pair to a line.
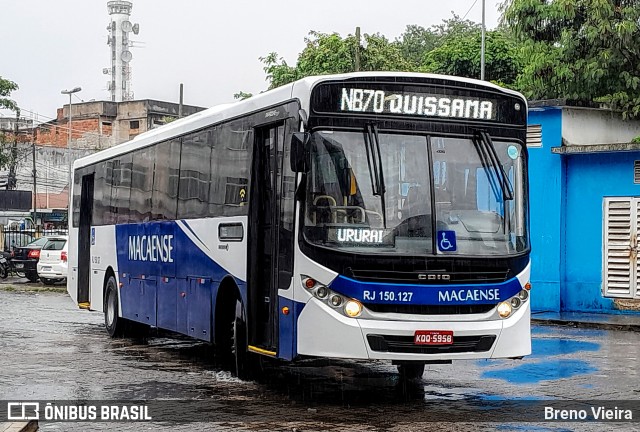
386,293
171,284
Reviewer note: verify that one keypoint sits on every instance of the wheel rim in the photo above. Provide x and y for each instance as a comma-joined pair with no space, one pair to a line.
111,309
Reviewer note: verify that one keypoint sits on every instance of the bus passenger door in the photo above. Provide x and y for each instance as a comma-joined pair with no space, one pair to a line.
84,240
264,238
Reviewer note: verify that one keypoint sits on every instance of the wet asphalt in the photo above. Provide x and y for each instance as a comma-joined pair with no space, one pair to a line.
50,350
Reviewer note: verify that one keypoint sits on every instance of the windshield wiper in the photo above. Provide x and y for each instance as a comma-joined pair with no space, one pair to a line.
489,158
374,160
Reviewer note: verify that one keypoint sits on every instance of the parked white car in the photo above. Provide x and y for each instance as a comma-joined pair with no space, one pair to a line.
52,265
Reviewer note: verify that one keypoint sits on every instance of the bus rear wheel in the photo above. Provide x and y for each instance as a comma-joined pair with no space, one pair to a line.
114,324
411,371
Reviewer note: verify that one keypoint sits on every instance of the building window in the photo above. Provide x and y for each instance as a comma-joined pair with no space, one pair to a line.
621,221
534,135
636,172
134,124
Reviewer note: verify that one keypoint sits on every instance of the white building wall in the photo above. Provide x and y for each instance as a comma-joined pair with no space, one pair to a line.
590,126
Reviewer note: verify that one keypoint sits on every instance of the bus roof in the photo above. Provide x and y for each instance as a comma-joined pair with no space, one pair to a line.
300,89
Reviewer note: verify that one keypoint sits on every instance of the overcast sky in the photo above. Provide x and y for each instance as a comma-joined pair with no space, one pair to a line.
211,46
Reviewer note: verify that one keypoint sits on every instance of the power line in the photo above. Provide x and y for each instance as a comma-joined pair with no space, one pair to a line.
465,15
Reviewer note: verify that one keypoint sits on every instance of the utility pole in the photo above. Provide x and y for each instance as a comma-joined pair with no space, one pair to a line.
181,100
35,189
11,181
482,47
357,49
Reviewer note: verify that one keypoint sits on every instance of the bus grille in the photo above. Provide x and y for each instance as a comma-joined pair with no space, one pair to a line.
430,309
404,344
422,277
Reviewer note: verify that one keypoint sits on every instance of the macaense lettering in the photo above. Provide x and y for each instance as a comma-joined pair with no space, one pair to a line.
151,248
463,295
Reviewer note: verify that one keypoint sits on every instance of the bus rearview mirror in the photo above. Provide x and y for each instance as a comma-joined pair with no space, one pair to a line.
299,151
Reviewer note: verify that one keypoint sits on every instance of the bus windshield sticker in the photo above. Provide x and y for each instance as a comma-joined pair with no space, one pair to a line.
361,236
512,151
447,241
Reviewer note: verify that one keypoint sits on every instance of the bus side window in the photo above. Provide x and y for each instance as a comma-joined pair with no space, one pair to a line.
165,186
142,174
195,175
101,195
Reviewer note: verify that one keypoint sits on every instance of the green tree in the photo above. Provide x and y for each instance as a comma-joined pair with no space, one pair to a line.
331,53
6,87
415,42
452,27
587,50
459,54
242,95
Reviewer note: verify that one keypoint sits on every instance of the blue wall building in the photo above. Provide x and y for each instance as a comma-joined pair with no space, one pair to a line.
584,174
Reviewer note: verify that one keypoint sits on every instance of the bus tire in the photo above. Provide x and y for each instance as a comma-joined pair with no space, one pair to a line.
411,371
114,324
239,348
32,276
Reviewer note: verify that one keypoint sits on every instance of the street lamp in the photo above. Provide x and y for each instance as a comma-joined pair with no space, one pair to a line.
70,92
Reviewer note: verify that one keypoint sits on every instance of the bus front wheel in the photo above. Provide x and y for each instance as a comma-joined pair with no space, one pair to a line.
239,348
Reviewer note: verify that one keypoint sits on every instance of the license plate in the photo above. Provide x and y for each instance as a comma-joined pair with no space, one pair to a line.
46,268
433,337
19,265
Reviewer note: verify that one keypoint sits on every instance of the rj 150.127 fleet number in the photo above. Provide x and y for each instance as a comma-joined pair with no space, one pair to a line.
400,296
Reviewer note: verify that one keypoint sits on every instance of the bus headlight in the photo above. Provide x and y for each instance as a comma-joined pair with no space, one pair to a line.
336,300
504,309
353,308
322,292
349,307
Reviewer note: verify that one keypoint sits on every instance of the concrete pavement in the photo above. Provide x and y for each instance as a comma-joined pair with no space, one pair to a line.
628,322
30,426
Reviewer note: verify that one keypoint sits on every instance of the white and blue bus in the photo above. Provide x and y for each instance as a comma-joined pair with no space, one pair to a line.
375,215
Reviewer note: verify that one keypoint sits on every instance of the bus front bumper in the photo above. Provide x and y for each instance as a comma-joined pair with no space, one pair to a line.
325,332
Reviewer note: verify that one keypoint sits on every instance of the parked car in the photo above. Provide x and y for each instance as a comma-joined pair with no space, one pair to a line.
25,258
52,266
15,239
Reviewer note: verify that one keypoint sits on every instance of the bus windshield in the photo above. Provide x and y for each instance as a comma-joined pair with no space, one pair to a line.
457,204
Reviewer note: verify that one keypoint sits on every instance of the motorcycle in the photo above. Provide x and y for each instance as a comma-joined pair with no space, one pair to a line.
4,266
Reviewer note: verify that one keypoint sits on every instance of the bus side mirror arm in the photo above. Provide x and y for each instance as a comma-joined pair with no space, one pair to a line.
302,187
300,151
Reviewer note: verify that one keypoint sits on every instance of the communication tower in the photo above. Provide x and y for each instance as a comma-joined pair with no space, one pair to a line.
118,39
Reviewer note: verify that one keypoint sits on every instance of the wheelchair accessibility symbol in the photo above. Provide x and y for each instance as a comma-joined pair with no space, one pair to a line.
447,241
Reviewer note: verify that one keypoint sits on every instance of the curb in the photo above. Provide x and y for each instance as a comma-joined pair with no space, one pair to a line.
30,426
586,324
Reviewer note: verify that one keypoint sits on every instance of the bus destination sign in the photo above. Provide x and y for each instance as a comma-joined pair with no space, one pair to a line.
367,100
